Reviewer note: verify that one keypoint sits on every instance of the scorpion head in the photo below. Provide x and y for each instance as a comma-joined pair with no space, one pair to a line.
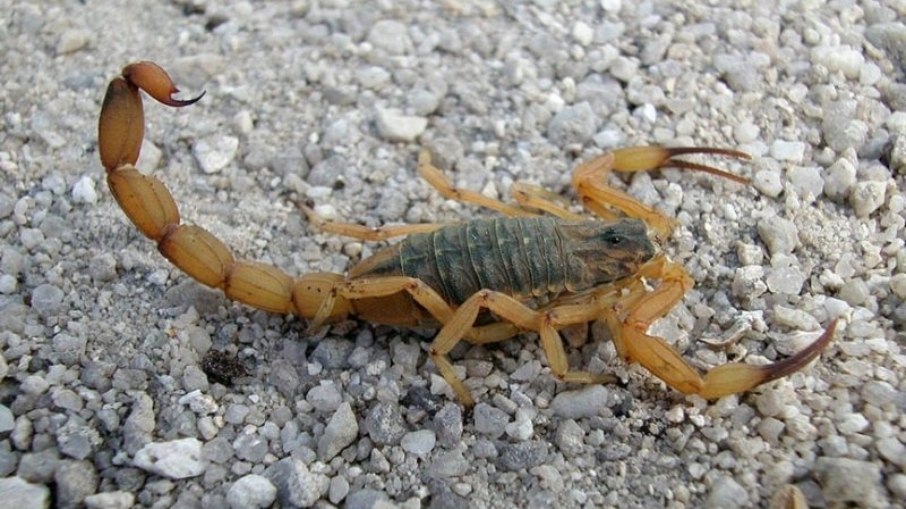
606,252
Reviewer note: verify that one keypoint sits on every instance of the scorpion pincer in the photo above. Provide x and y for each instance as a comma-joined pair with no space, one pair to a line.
481,281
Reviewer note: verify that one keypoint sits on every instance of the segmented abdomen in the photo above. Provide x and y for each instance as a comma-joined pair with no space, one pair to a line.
521,257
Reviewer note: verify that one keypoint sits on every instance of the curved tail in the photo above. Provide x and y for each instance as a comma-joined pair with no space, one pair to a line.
151,208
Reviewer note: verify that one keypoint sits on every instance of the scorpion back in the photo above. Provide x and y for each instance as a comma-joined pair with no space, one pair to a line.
535,258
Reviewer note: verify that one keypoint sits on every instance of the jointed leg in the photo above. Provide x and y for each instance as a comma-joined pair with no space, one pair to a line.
438,181
509,309
534,197
590,180
361,232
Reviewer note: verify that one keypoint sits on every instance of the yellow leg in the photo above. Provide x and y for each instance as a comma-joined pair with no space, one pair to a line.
590,180
534,197
362,232
421,293
509,309
438,181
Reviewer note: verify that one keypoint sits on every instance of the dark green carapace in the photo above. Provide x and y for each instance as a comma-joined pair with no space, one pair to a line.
537,257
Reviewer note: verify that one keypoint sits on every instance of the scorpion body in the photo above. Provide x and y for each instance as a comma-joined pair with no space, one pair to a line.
480,281
529,258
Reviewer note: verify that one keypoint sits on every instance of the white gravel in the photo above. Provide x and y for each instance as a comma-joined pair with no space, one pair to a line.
107,352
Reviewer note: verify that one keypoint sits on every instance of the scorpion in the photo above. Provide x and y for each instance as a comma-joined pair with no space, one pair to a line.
539,267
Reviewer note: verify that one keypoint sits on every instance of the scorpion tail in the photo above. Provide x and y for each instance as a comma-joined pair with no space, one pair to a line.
151,207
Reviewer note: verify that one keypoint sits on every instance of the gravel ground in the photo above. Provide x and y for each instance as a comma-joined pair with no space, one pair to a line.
109,396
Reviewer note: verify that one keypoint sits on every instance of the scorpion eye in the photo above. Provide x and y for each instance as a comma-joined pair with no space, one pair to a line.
613,239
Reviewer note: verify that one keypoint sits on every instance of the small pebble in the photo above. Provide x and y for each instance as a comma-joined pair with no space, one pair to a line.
236,413
768,183
385,424
779,234
391,36
570,437
841,128
852,423
339,488
785,280
583,33
770,429
34,385
342,429
215,153
419,443
867,197
394,126
75,480
8,284
527,372
448,425
897,485
514,457
372,77
296,485
217,450
84,191
195,379
110,500
67,399
586,402
31,238
843,58
572,124
250,447
793,151
26,495
7,421
251,492
848,480
46,299
806,181
841,177
855,292
69,349
102,268
73,40
176,459
892,450
521,428
489,420
726,493
748,282
324,397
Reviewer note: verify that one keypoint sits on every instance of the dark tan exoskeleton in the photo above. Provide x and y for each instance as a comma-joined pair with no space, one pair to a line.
481,281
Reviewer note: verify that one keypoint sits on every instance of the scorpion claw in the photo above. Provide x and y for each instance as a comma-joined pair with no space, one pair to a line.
155,81
649,158
686,165
733,378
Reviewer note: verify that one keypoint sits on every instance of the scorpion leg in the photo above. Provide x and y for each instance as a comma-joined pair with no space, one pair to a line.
534,197
507,308
528,197
361,232
438,181
662,360
590,180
